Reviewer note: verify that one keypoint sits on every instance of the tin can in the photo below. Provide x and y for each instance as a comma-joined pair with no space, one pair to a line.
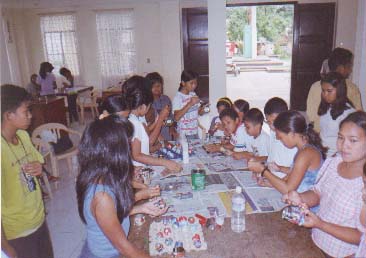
198,179
31,183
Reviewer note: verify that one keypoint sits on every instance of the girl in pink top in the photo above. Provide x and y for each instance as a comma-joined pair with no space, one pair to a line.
338,192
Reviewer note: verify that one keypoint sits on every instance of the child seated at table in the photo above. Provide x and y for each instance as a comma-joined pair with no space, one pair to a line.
240,141
104,190
338,192
259,147
293,132
114,104
279,156
216,127
139,98
241,107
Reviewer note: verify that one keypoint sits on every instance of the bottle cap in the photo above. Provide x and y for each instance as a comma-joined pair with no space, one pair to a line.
238,189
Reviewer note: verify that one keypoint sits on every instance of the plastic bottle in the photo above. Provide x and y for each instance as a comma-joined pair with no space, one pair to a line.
184,144
238,211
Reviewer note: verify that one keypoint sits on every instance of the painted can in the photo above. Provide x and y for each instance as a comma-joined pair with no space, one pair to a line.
198,179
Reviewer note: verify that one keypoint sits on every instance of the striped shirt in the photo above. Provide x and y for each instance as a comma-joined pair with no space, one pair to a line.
241,140
188,123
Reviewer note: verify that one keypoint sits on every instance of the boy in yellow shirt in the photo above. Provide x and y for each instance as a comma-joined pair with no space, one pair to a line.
24,232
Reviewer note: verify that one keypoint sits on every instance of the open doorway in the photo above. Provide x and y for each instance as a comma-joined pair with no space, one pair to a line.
259,52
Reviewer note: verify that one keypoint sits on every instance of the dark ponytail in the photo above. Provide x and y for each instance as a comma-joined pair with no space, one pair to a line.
186,76
294,122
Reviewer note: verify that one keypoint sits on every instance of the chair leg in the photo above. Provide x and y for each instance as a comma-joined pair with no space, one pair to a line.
92,111
55,171
82,115
69,165
47,183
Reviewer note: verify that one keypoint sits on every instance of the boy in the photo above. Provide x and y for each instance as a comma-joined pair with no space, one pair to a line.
24,232
279,155
33,87
253,122
340,61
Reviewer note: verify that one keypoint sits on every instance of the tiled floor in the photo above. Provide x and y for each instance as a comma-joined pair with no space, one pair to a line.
66,229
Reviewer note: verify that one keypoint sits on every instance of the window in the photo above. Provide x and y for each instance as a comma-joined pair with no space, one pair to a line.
117,54
59,41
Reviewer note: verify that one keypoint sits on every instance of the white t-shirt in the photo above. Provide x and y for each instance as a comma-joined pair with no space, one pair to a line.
260,145
218,133
140,134
329,130
188,124
279,153
241,140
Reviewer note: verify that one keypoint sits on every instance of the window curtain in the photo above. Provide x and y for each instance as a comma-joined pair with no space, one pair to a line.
116,45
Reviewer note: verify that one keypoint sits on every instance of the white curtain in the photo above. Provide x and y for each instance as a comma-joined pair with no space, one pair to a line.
60,43
116,43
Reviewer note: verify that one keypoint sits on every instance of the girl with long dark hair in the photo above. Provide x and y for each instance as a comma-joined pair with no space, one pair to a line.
333,108
293,132
46,79
104,190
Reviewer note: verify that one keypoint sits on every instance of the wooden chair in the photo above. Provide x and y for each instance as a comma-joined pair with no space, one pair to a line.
87,99
57,129
45,151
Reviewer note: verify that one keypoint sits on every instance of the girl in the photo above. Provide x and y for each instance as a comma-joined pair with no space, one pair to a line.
293,132
216,127
338,192
46,79
139,98
333,108
160,104
361,251
68,82
241,107
104,190
186,108
240,140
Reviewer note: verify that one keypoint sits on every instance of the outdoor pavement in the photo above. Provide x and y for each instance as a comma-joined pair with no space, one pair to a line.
258,87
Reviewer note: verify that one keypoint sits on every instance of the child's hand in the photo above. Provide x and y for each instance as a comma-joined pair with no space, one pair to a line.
33,168
212,148
194,100
263,182
151,209
173,166
274,167
311,220
255,166
292,198
164,113
150,192
237,155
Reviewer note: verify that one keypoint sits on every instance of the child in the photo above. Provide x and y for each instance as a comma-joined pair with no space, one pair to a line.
240,141
32,87
216,127
333,108
338,192
259,147
293,132
279,156
68,82
139,98
241,107
361,226
186,108
104,190
24,231
114,104
160,103
46,79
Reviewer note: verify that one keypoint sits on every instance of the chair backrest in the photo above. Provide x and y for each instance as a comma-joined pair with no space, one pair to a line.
40,146
88,97
54,128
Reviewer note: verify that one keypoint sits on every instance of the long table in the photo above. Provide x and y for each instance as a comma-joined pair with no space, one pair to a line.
266,235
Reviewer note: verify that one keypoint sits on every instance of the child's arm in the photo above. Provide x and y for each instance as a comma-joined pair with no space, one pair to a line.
311,198
178,114
156,127
5,245
104,211
147,193
347,234
147,159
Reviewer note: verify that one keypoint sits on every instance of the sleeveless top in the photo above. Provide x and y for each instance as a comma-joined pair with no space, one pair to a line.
97,243
310,175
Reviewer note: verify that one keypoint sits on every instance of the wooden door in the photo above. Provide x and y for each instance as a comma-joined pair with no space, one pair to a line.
195,46
313,42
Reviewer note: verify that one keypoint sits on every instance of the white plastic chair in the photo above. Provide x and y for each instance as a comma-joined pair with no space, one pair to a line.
87,99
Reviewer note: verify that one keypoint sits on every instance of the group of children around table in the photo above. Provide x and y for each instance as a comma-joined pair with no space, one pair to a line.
323,172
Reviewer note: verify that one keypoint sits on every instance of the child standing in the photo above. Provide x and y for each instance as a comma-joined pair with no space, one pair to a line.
293,132
259,147
46,79
216,127
240,141
186,108
333,108
69,82
32,87
24,231
104,189
139,98
338,192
